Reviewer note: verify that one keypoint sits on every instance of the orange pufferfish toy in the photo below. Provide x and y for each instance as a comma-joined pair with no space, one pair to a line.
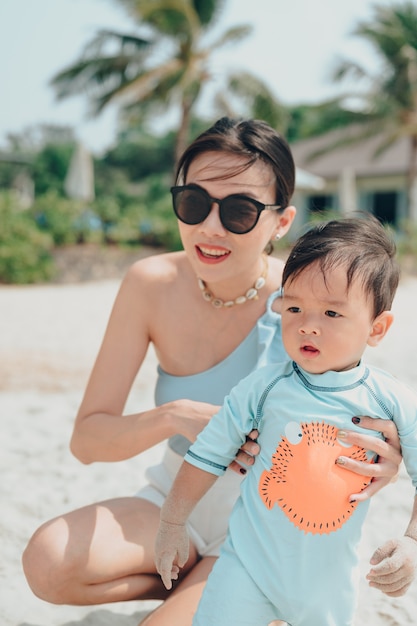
305,481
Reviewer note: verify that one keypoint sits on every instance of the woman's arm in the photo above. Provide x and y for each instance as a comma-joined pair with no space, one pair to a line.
171,546
101,431
388,451
105,438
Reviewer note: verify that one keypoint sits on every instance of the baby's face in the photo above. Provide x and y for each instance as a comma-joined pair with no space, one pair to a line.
325,326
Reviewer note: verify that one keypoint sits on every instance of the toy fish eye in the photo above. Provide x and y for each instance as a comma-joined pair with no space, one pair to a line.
293,433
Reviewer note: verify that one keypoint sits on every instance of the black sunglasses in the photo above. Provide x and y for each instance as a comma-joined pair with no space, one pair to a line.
238,213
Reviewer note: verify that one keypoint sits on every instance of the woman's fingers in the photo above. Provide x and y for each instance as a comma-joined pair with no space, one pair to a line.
247,453
374,470
374,486
388,451
386,427
382,448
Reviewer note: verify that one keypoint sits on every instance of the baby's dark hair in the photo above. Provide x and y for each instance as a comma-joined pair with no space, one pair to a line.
252,140
362,245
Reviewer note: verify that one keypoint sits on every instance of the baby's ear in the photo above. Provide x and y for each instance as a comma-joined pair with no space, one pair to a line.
380,327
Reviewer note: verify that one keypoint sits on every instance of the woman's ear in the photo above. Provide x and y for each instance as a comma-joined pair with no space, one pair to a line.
380,327
286,219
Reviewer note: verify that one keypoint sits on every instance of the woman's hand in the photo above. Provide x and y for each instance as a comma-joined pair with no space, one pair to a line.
188,417
389,454
246,454
193,416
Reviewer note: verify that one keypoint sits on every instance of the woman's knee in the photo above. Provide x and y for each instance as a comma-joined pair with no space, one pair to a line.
45,562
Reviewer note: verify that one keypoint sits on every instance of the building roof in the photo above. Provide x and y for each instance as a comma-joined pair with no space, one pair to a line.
307,181
360,157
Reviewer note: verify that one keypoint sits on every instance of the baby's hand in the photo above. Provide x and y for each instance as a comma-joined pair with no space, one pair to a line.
394,566
171,551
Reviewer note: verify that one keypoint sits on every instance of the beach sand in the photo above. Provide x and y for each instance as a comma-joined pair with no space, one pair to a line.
49,338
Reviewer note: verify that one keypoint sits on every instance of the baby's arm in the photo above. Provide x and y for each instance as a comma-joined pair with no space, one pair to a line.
171,547
394,564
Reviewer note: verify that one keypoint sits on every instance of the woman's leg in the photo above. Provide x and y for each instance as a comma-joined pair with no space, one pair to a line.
180,606
100,553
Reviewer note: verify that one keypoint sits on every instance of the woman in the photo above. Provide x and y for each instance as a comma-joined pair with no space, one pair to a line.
211,314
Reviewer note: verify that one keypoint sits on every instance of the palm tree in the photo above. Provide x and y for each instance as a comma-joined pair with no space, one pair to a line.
249,96
164,62
390,104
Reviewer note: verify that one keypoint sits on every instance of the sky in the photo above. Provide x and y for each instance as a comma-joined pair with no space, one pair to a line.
293,46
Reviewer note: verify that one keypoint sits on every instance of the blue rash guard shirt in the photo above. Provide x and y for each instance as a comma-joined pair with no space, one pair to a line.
293,528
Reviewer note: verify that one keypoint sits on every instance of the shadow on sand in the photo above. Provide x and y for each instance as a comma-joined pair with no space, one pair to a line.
102,617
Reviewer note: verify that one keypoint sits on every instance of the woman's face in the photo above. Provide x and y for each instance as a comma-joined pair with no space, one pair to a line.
215,253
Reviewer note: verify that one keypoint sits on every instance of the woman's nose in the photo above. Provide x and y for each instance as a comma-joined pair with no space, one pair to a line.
212,224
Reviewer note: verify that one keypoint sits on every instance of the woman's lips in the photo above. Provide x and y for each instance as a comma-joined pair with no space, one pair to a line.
211,254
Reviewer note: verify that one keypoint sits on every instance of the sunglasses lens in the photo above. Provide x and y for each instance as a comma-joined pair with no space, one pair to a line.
191,206
239,215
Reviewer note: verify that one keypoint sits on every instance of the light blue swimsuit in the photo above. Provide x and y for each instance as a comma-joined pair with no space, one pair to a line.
291,550
262,346
207,526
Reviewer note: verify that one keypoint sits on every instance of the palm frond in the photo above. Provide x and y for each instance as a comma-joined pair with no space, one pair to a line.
232,35
98,67
208,11
86,76
127,43
346,69
145,84
256,97
173,18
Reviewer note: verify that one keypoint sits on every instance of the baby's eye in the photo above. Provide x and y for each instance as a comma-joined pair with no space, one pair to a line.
293,309
332,314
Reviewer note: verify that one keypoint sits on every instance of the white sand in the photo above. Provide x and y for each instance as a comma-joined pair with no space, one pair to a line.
48,341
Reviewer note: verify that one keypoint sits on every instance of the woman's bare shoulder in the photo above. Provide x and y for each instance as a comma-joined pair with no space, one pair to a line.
148,284
160,268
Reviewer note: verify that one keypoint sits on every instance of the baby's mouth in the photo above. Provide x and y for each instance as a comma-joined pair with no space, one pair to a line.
310,350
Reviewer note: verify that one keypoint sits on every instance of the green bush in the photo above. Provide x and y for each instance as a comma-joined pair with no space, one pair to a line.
407,239
25,252
50,166
67,221
142,216
159,226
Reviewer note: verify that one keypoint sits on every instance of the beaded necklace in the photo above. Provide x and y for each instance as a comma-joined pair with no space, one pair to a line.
251,294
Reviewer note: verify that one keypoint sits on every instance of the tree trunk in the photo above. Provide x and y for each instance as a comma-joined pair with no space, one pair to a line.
182,135
412,182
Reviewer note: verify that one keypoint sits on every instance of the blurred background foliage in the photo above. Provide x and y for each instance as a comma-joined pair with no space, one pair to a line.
163,64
